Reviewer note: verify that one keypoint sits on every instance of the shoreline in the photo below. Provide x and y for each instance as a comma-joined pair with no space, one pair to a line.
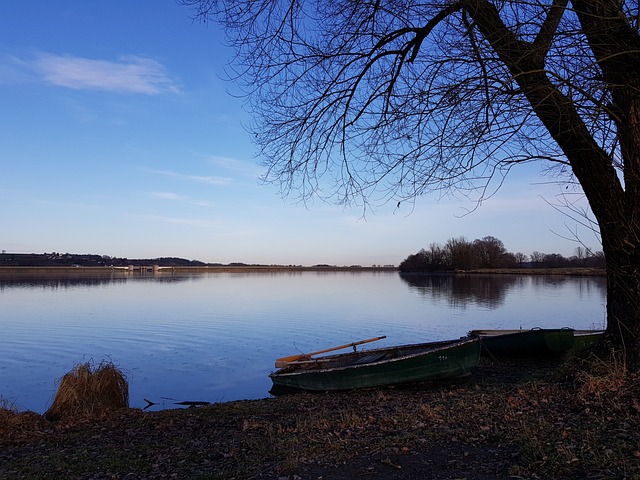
191,269
510,419
577,271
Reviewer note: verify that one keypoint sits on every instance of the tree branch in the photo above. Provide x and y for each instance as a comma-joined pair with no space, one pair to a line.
431,24
545,36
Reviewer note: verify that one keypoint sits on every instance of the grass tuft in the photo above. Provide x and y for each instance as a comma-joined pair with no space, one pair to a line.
87,389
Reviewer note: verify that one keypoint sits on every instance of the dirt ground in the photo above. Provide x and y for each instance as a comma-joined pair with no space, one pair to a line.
510,419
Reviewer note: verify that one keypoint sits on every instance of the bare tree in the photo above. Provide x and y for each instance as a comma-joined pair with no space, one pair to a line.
437,256
461,254
489,252
537,257
369,101
520,258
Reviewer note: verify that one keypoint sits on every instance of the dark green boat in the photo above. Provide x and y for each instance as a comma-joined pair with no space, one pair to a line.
534,342
382,366
585,338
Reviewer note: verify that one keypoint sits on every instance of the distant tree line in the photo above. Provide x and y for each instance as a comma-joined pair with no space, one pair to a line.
489,252
55,259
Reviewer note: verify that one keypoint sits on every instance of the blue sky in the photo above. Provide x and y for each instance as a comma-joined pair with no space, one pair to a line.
118,137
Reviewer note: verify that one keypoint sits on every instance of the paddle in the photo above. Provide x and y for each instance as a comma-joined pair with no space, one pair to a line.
284,361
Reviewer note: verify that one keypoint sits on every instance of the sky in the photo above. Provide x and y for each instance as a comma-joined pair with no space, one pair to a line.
119,137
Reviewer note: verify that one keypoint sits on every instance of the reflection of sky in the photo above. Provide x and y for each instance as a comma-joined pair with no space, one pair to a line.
215,336
575,302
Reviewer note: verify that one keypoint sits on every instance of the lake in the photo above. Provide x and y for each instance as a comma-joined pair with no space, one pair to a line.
215,336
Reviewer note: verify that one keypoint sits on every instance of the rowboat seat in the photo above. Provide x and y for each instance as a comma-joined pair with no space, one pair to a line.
375,357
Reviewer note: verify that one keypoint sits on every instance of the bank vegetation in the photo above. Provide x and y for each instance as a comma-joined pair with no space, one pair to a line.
489,253
511,419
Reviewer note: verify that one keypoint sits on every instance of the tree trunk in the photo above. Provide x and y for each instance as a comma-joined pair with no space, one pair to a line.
623,296
616,207
615,44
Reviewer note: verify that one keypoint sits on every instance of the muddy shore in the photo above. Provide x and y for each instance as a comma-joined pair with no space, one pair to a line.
510,419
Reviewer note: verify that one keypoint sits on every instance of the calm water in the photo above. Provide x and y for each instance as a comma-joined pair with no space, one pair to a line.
215,336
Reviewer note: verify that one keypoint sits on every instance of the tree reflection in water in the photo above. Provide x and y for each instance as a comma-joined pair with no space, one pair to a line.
461,290
67,280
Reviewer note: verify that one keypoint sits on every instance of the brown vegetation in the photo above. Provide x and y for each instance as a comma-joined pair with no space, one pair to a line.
516,419
489,254
578,272
88,389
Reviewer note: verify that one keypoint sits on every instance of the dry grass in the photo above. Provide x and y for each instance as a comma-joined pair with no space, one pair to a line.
587,423
88,389
574,271
606,378
511,419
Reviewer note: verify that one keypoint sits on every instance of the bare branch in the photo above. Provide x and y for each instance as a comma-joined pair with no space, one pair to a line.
548,29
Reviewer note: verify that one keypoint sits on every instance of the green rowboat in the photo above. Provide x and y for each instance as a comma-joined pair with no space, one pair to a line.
382,366
534,342
585,338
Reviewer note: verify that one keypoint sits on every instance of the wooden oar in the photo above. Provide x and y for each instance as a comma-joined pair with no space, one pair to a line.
284,361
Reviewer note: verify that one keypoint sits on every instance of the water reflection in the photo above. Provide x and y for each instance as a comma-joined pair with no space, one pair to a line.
490,291
70,280
460,290
214,336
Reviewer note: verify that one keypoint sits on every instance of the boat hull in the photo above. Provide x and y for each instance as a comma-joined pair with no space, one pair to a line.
385,366
586,338
536,342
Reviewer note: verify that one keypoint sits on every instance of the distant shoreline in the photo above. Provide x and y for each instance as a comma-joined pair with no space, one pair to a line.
162,270
571,271
577,271
193,269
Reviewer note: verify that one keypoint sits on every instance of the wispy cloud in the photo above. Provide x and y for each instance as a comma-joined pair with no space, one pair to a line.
192,222
208,179
14,70
250,169
202,203
180,198
128,74
167,196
